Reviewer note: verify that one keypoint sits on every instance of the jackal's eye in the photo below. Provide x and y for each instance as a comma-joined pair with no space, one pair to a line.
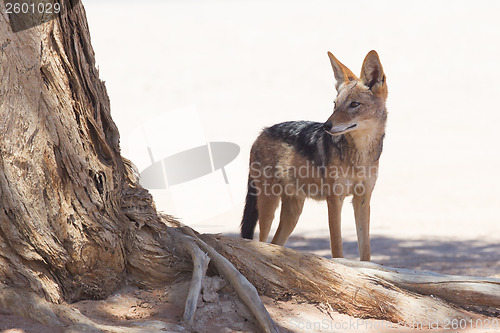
354,104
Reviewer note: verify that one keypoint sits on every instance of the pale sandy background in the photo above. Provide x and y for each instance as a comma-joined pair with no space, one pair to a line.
222,70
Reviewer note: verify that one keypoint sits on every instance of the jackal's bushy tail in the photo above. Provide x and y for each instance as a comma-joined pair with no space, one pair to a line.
251,213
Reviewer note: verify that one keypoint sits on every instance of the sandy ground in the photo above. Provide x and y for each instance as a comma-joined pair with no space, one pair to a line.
219,310
189,72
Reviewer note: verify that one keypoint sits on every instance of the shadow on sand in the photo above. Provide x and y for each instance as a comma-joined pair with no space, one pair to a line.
446,256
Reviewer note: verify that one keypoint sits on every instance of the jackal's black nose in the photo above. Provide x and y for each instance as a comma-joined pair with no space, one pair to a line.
327,126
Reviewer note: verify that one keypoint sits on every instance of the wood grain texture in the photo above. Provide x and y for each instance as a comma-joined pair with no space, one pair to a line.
71,213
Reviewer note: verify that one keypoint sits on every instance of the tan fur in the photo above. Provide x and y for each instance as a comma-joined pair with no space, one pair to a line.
278,162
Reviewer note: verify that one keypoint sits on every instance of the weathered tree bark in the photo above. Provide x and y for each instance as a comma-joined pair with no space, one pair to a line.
75,223
70,215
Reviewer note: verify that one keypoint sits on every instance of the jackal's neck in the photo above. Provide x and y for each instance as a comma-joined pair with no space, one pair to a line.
365,146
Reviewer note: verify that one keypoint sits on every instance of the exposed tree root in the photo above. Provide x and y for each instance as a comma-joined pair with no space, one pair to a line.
461,290
245,290
360,289
283,273
200,265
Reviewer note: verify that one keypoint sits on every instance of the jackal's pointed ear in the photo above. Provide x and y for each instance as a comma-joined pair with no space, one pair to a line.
372,74
343,75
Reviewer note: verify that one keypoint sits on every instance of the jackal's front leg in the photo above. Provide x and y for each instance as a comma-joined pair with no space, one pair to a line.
361,206
334,212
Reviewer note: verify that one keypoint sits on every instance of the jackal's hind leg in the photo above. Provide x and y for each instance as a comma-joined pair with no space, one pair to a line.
267,205
291,208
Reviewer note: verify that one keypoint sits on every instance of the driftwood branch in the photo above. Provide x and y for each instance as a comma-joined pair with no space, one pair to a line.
200,265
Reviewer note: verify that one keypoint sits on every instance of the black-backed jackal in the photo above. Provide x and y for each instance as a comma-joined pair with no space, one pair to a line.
328,161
